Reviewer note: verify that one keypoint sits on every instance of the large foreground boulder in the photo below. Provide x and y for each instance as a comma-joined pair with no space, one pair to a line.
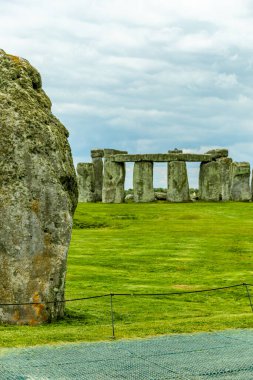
38,196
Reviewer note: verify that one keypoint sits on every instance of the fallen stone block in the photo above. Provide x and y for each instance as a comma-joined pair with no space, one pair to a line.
160,196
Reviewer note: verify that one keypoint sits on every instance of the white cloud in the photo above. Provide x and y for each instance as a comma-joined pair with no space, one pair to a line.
144,75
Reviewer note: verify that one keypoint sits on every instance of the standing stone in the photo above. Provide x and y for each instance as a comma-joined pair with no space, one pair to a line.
143,182
240,186
178,186
252,185
225,177
209,181
38,196
215,180
97,159
114,178
86,182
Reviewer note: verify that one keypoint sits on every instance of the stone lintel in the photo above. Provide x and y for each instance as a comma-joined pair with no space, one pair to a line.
218,153
163,157
95,153
112,152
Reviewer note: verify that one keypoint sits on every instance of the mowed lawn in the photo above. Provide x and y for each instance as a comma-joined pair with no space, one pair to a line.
152,248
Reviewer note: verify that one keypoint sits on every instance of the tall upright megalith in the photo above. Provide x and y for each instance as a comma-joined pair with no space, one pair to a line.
209,181
178,185
251,188
38,196
225,177
215,177
97,160
143,182
114,178
240,182
86,182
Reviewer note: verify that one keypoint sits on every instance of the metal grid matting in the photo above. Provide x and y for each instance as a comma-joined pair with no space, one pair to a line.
224,356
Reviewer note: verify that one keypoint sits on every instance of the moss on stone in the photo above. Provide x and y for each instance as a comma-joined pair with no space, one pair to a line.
38,194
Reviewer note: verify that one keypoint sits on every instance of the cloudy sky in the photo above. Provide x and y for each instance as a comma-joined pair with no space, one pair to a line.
142,75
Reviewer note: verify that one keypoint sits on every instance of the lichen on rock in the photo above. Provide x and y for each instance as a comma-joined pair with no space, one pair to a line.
38,196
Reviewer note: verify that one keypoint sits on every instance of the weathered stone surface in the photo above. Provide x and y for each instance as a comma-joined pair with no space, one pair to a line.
97,160
86,182
113,182
252,185
218,153
97,153
175,151
225,177
178,186
160,196
240,187
129,197
194,196
209,181
215,180
143,182
113,152
38,196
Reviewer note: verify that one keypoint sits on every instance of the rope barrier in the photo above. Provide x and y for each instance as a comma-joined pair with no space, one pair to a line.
56,301
177,293
112,295
126,295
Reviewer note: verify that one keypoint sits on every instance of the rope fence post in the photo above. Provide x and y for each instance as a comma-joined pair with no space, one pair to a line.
112,316
249,296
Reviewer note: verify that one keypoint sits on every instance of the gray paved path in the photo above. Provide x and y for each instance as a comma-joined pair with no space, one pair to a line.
225,356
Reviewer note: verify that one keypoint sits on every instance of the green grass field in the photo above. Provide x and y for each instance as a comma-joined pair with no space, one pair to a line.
152,248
